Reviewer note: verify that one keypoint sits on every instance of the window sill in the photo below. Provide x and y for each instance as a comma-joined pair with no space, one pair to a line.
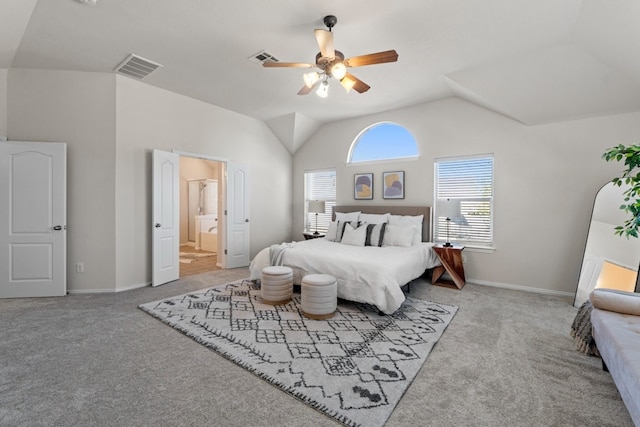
470,247
480,249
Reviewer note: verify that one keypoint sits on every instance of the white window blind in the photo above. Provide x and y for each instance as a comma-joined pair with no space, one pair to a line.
467,181
319,185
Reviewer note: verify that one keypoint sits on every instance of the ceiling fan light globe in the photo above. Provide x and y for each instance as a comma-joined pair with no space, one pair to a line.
338,70
323,89
311,79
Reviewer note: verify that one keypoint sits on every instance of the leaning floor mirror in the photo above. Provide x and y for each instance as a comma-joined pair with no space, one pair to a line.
610,261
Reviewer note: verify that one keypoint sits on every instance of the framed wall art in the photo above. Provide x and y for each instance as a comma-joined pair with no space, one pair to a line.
363,186
393,185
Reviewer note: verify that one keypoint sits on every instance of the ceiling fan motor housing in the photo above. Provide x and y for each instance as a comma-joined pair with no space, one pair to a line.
323,62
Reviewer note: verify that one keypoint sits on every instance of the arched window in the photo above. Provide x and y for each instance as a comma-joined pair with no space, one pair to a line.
383,141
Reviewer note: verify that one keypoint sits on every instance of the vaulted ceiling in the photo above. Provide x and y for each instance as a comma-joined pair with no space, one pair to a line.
535,61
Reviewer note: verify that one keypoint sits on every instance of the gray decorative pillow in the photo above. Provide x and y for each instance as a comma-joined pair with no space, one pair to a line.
375,234
617,301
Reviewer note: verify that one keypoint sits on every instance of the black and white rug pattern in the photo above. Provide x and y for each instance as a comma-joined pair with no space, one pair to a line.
354,367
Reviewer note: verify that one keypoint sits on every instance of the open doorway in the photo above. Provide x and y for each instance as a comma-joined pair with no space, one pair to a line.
201,205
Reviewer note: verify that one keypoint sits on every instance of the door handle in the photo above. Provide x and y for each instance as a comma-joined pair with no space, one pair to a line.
57,227
158,225
246,220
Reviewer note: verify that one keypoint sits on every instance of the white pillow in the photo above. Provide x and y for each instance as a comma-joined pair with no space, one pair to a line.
398,235
374,218
347,217
354,236
341,226
332,231
412,221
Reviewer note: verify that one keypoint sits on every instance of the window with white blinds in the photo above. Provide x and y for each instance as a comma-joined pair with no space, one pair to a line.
467,184
319,185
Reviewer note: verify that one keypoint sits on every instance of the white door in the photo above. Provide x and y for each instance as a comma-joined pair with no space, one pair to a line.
33,215
166,217
237,251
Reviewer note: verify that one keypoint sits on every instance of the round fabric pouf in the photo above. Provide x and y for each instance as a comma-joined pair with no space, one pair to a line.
276,285
319,296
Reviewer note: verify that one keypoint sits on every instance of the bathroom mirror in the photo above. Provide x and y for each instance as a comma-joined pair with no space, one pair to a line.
610,261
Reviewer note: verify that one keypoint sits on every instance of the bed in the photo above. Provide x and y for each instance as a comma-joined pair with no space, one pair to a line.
368,274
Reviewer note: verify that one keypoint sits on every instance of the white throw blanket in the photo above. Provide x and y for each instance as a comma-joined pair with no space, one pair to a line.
277,251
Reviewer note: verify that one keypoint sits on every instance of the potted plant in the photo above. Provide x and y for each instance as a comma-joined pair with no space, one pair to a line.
630,177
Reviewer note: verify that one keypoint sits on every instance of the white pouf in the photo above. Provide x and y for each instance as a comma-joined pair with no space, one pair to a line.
276,285
319,296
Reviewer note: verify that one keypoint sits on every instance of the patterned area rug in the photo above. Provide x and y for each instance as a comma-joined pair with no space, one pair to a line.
354,367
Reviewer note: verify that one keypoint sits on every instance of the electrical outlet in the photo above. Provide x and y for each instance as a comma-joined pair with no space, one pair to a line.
79,267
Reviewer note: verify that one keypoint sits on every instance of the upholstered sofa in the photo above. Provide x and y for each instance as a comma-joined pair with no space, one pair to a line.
615,320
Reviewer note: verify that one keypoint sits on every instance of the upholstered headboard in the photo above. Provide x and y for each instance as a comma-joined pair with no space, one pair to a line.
394,210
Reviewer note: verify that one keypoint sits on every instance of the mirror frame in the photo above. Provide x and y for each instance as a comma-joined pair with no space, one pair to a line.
637,287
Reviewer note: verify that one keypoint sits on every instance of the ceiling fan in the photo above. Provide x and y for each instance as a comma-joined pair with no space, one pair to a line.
332,63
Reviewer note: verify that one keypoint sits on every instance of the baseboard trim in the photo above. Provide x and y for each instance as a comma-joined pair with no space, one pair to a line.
134,286
108,291
520,288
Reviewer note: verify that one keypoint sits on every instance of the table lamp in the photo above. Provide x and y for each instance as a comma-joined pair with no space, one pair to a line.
316,207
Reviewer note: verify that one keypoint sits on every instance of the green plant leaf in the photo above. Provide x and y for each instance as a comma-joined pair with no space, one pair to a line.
631,177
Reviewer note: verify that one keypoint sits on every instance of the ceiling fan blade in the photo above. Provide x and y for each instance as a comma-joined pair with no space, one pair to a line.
372,58
325,42
271,64
306,89
352,82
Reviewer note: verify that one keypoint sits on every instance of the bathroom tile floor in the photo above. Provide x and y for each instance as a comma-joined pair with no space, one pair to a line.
197,264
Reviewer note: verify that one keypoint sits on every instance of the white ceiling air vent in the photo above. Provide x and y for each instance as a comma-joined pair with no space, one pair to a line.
261,57
136,67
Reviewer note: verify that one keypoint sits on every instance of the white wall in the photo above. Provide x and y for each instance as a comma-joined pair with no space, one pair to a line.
111,124
79,109
3,102
148,118
545,180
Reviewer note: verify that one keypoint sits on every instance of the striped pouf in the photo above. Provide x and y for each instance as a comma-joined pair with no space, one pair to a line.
319,296
276,285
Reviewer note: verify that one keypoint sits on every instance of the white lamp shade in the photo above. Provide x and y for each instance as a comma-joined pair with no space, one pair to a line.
347,83
338,70
316,206
323,89
449,208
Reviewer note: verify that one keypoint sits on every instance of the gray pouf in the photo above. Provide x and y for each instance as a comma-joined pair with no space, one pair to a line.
276,285
319,296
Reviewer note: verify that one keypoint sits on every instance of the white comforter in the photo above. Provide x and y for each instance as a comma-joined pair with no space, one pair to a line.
368,274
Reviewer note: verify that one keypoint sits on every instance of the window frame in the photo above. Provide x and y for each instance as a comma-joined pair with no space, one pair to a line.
357,140
471,199
309,219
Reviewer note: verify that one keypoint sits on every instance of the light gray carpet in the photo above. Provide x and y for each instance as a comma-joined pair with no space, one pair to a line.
506,359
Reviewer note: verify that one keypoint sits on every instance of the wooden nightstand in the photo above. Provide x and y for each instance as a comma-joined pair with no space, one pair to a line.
451,258
309,236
